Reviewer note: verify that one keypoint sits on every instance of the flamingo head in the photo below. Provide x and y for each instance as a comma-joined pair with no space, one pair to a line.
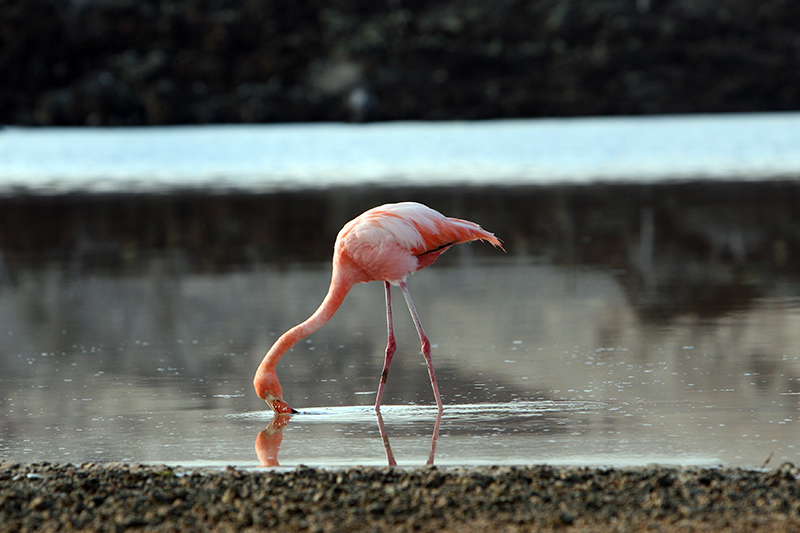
269,389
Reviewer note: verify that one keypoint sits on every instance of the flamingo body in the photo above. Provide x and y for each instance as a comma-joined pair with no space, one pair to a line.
391,241
386,243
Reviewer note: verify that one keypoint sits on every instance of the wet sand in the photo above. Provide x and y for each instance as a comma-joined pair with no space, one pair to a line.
115,497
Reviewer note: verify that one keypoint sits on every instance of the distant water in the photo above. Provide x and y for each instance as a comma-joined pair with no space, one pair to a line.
507,152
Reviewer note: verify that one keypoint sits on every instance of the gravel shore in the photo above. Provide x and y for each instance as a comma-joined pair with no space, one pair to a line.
115,497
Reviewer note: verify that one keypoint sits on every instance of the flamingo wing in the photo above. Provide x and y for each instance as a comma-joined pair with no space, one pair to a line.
391,241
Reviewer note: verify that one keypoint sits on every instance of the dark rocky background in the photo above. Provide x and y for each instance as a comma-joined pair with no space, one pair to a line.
129,62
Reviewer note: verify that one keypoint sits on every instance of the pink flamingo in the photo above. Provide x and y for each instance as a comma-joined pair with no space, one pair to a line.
386,243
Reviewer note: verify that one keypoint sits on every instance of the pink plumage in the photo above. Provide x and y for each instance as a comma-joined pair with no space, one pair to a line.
393,240
386,243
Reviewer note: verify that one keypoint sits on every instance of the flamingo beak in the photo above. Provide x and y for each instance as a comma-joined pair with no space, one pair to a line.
280,407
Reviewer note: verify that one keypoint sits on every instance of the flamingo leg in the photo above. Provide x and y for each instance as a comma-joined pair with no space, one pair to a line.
391,346
386,446
426,344
434,438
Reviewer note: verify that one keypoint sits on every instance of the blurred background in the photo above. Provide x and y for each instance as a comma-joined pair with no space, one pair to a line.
156,62
129,286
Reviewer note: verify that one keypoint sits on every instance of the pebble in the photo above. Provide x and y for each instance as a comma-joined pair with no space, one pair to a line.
125,497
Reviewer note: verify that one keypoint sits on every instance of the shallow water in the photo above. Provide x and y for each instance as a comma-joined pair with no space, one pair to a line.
537,363
655,321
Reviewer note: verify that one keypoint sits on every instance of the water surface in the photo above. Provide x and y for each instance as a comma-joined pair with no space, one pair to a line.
537,363
647,310
491,152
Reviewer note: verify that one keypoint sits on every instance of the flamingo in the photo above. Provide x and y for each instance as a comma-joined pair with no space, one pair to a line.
385,243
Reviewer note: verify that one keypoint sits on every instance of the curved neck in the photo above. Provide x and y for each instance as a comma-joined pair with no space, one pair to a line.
339,288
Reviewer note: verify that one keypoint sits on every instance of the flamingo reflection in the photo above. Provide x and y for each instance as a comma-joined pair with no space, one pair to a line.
269,440
388,447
